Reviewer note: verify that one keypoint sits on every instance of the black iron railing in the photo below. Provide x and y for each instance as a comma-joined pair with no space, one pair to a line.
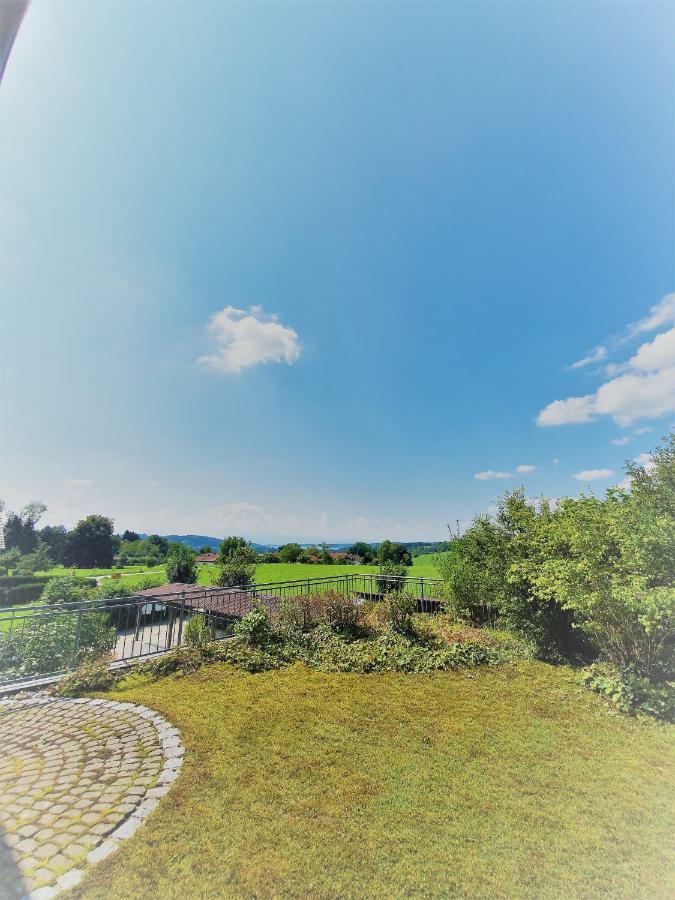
43,640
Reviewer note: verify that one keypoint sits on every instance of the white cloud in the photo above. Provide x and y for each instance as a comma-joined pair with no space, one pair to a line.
619,442
525,470
597,354
79,483
593,474
642,431
646,389
490,474
247,339
574,410
646,460
661,314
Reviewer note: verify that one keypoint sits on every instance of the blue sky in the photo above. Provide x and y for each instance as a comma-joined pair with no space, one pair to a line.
307,269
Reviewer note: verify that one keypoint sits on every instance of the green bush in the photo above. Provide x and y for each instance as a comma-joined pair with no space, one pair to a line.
255,627
181,565
22,593
630,692
93,674
10,581
198,631
389,577
65,589
54,642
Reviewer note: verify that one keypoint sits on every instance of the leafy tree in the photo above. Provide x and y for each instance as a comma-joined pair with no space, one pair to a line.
160,543
152,559
236,571
130,536
90,543
55,539
363,551
236,545
20,531
205,549
389,552
9,559
236,562
389,577
289,553
37,561
181,566
324,554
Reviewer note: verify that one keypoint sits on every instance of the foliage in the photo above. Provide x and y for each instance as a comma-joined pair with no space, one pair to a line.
397,554
630,692
65,589
255,627
54,643
9,559
181,566
586,577
130,536
93,674
37,560
365,552
22,593
19,529
289,553
198,631
55,540
90,543
238,547
389,577
236,571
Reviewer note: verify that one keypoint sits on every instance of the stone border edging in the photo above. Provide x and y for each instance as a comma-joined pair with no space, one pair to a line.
173,750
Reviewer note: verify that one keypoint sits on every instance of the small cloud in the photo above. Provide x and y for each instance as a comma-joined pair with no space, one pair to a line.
661,314
619,442
525,470
490,474
593,474
597,354
642,431
573,411
249,338
79,482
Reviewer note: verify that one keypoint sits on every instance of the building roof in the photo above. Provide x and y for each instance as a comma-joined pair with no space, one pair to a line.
175,588
207,557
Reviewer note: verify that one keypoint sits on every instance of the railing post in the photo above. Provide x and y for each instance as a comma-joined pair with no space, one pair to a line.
180,620
78,634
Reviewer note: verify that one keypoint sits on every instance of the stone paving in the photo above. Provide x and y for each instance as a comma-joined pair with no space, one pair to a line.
76,778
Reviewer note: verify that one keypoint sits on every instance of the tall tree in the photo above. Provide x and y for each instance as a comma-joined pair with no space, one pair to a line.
20,530
90,543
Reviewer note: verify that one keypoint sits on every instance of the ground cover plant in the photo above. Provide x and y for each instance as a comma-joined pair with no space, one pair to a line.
509,781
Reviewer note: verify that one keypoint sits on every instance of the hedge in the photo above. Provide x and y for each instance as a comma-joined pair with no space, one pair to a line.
10,581
22,593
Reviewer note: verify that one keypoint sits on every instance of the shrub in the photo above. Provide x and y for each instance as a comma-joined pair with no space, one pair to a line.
630,692
93,674
255,627
399,609
10,581
341,611
236,570
181,565
55,642
198,631
389,577
65,589
22,593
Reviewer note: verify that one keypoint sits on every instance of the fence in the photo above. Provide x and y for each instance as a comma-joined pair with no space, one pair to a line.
43,640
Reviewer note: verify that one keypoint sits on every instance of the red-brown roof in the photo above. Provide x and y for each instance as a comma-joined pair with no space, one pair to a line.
207,557
175,588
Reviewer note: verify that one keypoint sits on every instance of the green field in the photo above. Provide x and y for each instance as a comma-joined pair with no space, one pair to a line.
500,782
93,573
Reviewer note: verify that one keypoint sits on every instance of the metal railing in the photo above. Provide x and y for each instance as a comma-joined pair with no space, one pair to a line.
44,640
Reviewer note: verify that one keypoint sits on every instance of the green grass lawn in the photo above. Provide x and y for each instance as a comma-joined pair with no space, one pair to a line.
92,573
504,782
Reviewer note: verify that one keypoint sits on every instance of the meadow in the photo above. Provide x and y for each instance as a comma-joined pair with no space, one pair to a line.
499,782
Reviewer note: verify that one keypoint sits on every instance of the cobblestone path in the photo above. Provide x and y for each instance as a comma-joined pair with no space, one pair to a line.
76,777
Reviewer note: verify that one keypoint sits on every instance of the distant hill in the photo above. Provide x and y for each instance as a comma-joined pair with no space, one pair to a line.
196,541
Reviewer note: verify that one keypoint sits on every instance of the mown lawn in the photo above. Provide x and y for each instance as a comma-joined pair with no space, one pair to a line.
504,782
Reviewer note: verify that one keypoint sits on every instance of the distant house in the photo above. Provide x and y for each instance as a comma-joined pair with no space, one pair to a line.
339,556
205,559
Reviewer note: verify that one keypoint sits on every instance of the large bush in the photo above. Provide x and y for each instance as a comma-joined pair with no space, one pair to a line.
181,565
589,576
